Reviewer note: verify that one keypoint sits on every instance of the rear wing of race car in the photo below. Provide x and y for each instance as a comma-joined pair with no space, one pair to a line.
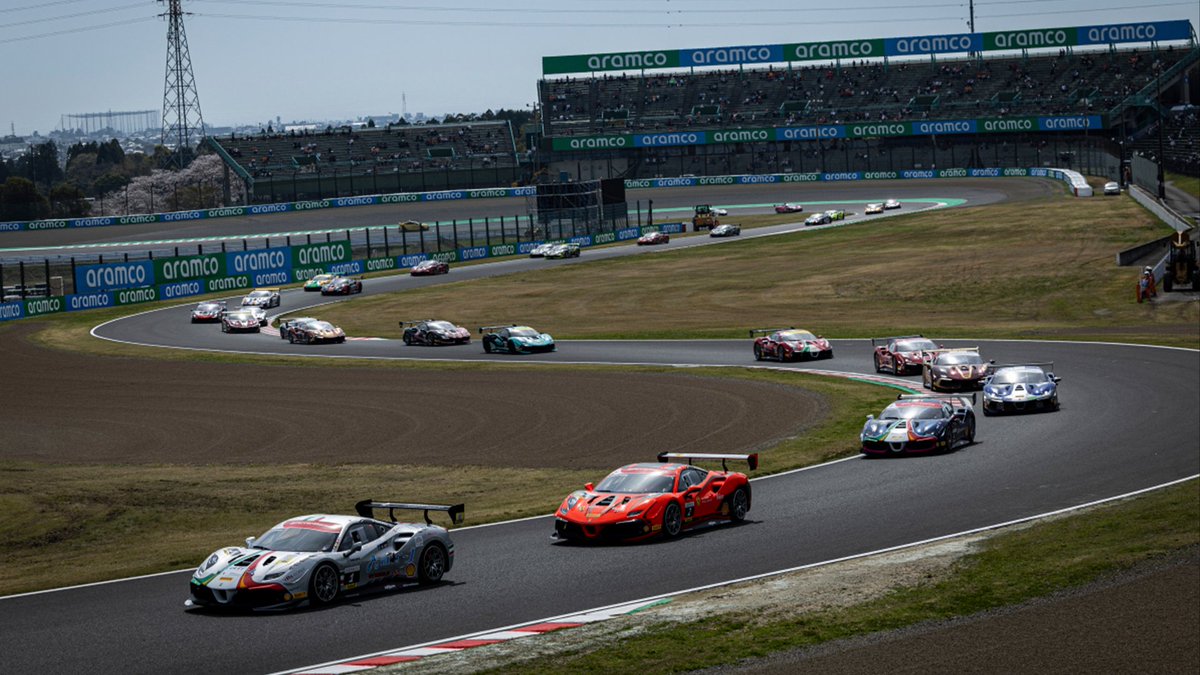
959,400
493,329
943,350
764,331
875,341
366,509
751,459
1047,367
274,289
406,324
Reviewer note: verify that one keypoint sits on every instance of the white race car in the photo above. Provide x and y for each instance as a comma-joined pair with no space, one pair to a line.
262,297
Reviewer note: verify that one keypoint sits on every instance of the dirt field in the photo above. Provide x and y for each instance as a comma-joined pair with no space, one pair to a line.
75,408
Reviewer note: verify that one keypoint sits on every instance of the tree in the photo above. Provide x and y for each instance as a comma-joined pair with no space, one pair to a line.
371,123
109,182
67,201
40,164
20,200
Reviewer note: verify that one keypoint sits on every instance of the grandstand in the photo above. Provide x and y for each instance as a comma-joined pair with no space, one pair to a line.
981,103
347,162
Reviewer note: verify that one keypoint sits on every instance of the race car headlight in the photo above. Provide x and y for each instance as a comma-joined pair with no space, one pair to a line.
1040,389
998,389
635,514
272,576
571,501
212,560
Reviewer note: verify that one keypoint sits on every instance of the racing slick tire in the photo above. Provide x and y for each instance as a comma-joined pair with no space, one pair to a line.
433,564
739,505
323,586
341,340
785,354
970,435
512,347
291,337
878,364
224,327
487,347
827,354
758,355
672,520
407,340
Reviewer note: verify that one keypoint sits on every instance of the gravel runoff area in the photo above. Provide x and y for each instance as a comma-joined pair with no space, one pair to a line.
73,408
1142,620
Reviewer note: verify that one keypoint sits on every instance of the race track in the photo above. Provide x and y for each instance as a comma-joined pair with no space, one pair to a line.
1127,422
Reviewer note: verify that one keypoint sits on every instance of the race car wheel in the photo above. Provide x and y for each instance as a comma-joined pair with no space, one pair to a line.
487,347
224,328
292,338
672,520
433,564
407,340
323,587
785,354
341,339
739,504
827,354
758,355
512,346
970,433
878,364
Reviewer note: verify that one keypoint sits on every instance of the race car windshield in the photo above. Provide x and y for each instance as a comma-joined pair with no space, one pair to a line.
796,336
208,307
1019,377
522,331
638,483
440,325
912,412
259,294
296,539
960,358
321,325
915,345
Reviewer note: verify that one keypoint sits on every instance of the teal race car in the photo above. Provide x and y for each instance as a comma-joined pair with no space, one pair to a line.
513,339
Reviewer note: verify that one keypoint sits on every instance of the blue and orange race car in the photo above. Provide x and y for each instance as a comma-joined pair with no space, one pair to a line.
645,500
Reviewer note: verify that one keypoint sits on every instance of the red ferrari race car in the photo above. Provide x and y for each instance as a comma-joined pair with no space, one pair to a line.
427,268
641,501
788,207
786,344
342,286
652,238
901,354
208,311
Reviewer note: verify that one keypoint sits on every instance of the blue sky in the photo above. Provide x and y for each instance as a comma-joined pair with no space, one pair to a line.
307,59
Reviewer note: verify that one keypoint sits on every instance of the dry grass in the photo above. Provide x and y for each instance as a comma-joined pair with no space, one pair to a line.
1038,269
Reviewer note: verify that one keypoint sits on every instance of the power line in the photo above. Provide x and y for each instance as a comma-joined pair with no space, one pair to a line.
84,29
75,15
40,5
525,10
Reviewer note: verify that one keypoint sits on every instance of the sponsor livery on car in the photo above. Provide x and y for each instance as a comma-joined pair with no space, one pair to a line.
206,312
316,559
891,204
836,214
873,208
315,283
433,332
789,207
312,332
727,230
287,326
787,344
818,219
564,250
262,297
652,238
342,286
954,369
427,268
539,251
240,320
920,424
641,501
514,339
1020,388
899,355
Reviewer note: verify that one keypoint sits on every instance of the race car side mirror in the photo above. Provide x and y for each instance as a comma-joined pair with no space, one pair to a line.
992,361
589,487
355,549
249,542
870,417
1056,378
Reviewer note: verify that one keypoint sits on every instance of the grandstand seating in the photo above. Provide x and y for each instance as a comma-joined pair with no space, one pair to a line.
1077,82
406,148
1181,142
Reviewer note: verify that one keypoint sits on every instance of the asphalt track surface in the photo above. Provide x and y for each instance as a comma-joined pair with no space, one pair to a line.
1127,423
668,203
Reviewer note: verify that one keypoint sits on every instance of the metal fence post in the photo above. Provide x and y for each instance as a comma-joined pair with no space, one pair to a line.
387,249
47,261
454,224
503,236
366,230
21,266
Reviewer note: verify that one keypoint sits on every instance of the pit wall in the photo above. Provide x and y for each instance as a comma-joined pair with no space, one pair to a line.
1075,180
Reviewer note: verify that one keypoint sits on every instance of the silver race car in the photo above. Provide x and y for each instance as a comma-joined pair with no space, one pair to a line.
262,297
317,558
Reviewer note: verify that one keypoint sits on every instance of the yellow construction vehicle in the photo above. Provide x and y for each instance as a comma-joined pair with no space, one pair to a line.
1181,272
704,219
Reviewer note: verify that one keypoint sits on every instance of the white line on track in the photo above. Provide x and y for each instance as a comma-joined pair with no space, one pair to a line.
756,577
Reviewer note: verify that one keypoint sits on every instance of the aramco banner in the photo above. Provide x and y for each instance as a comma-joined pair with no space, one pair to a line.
955,43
